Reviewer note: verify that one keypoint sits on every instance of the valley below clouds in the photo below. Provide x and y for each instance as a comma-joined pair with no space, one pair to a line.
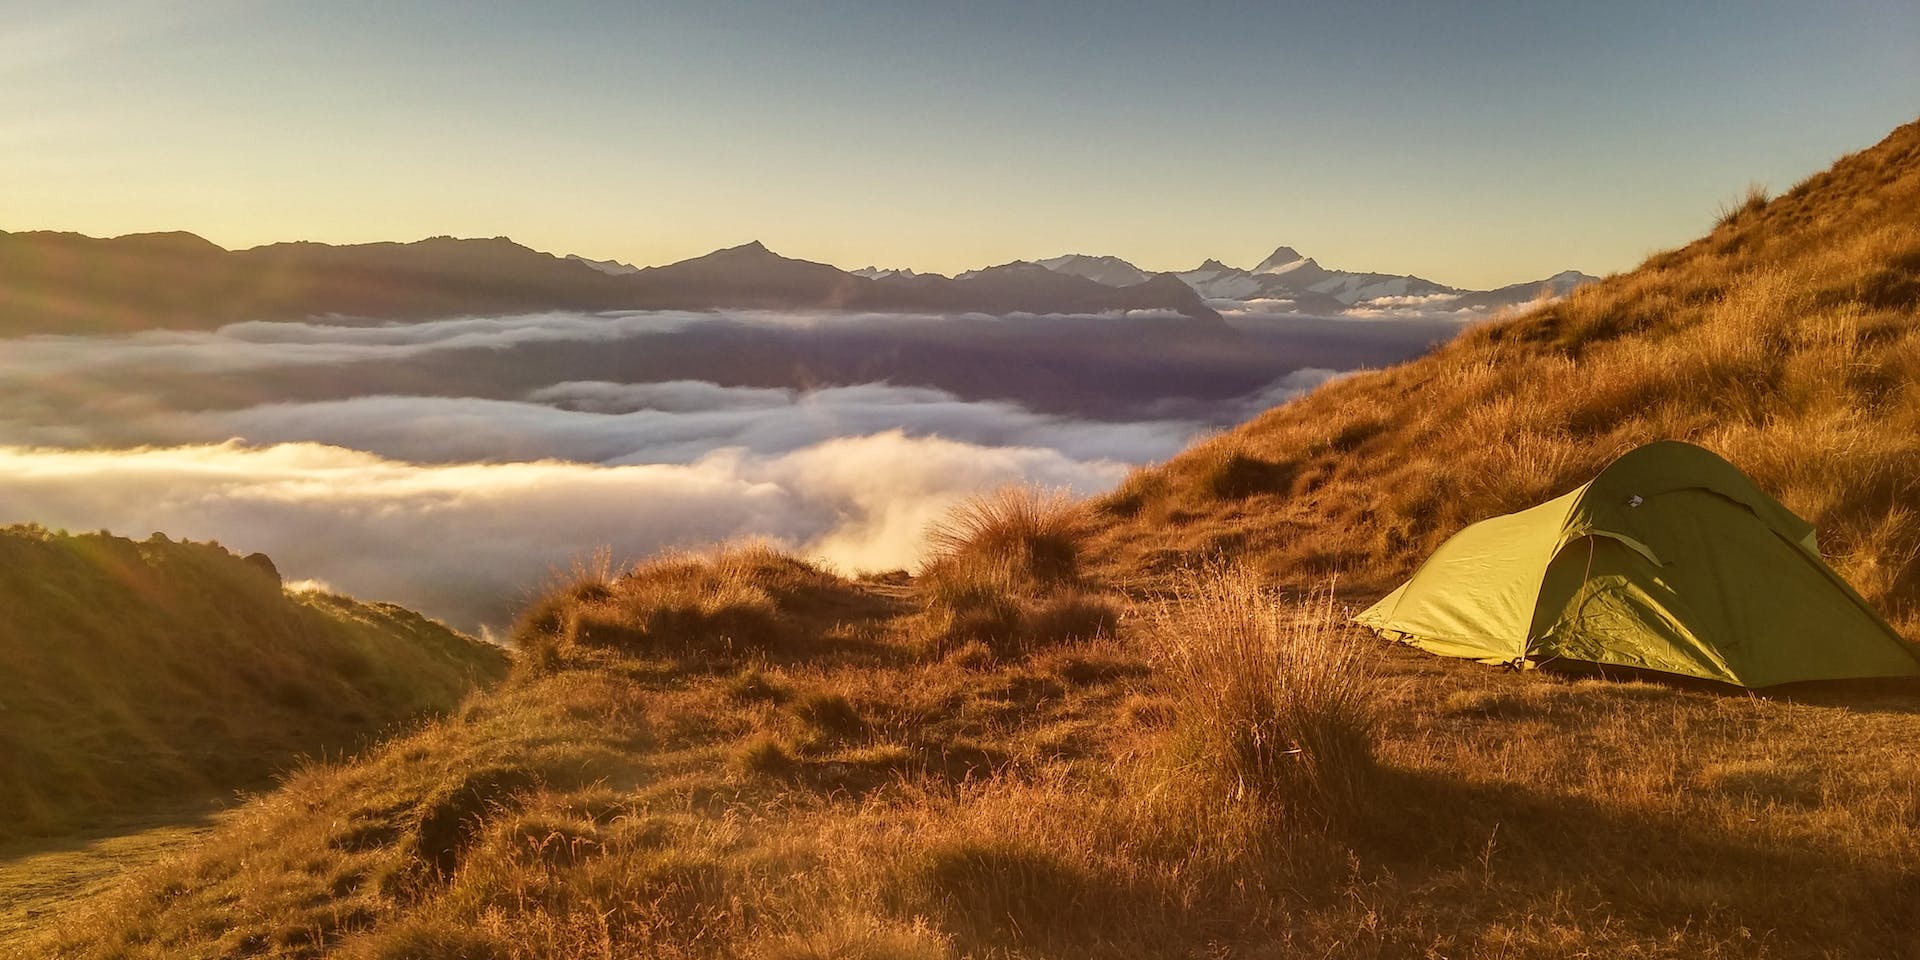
454,465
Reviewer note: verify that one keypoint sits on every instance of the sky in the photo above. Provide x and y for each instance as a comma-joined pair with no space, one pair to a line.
1475,144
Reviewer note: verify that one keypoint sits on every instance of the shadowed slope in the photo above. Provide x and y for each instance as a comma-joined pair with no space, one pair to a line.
132,673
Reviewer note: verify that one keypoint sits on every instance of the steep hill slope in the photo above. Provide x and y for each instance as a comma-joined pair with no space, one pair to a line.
1786,340
135,672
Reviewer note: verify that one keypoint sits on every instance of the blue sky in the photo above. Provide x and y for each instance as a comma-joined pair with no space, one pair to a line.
1475,144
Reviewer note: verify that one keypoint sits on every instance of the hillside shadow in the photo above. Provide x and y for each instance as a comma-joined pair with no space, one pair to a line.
1504,853
43,876
191,815
1869,695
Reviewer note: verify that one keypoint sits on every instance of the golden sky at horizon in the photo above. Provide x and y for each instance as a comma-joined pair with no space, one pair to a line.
1445,143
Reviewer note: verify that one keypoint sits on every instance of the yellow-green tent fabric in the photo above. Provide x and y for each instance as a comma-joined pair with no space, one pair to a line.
1670,559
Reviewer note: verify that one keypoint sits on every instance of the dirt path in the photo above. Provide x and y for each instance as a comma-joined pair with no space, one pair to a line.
41,879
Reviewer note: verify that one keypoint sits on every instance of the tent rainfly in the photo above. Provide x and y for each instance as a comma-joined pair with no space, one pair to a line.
1671,560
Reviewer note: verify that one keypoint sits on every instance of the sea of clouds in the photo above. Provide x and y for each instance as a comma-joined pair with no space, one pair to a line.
460,506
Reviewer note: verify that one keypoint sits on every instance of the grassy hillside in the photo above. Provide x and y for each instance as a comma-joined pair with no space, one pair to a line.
740,755
1785,340
744,756
133,672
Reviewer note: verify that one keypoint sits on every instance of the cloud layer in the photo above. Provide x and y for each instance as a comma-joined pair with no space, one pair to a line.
258,344
467,541
675,422
459,505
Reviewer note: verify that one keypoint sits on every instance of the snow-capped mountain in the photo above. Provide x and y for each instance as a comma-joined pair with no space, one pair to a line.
1558,285
1286,282
878,273
1286,275
1112,271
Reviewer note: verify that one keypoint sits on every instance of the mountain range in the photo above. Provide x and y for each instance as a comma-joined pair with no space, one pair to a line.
1286,282
54,282
70,283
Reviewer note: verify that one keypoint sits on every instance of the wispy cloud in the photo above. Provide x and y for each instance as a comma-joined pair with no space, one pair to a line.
665,423
255,345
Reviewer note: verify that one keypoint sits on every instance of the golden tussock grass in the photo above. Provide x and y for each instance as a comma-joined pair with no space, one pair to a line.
722,604
1004,576
737,754
1236,772
1274,700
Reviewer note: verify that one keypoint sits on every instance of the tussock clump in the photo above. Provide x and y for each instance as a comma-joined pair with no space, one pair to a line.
993,888
1273,701
1006,623
857,938
731,601
430,940
1750,202
1227,472
1133,494
1006,575
981,617
1074,615
829,714
765,755
452,816
1015,537
754,684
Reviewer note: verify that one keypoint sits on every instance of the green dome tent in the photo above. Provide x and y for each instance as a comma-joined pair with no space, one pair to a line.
1670,560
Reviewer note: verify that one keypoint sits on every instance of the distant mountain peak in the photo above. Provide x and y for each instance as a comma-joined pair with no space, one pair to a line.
872,272
176,239
612,268
1280,257
1107,270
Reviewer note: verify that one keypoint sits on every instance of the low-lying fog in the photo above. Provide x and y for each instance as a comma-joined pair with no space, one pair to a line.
453,465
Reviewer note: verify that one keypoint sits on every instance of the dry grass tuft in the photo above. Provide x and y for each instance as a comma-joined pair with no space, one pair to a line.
1750,202
1274,701
431,940
1017,536
1005,576
718,605
996,888
857,938
1226,471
